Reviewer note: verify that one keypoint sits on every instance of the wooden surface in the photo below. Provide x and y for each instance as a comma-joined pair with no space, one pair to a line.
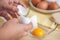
53,36
43,18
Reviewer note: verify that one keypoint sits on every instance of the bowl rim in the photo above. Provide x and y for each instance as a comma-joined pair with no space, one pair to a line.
41,10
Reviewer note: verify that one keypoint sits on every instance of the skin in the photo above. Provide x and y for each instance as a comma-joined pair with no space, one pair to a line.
14,30
10,6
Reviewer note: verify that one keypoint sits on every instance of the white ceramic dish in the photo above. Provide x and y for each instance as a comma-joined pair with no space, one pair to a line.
43,11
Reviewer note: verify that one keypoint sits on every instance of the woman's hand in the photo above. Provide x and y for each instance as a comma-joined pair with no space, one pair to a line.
10,6
13,30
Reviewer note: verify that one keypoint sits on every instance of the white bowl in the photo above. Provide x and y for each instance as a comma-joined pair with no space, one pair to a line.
43,11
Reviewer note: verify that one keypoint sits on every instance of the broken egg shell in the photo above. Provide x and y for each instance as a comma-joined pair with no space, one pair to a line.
34,21
25,20
22,10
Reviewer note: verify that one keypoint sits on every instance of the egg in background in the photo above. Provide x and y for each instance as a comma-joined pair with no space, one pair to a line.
53,6
35,2
42,5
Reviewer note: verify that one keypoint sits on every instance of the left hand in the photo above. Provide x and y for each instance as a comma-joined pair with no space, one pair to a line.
10,7
19,2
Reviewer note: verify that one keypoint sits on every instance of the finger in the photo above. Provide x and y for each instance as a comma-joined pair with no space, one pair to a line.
4,14
22,3
24,34
0,13
20,20
14,4
14,8
14,20
11,7
16,1
13,14
27,27
6,17
10,1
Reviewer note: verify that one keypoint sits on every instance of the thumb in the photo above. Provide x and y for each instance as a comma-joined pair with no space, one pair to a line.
14,20
22,3
11,7
28,27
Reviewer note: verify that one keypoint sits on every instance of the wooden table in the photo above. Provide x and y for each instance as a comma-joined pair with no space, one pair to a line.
53,36
41,16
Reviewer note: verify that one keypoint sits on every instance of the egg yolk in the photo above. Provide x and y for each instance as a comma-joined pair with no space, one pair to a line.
38,32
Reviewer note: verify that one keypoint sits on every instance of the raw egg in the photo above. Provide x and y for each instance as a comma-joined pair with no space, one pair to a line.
35,2
38,32
42,5
53,6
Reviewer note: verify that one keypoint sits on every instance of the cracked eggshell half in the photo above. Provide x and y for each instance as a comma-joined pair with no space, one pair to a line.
25,20
22,10
33,20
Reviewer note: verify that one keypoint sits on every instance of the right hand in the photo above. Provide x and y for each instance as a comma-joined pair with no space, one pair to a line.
14,30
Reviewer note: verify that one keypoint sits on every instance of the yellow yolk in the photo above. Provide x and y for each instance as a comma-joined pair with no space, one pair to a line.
38,32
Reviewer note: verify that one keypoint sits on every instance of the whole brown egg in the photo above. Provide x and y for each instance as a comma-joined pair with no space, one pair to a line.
53,6
35,2
42,5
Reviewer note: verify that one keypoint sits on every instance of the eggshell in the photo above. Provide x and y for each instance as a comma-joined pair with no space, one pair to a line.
34,21
22,10
53,6
35,2
42,5
25,20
